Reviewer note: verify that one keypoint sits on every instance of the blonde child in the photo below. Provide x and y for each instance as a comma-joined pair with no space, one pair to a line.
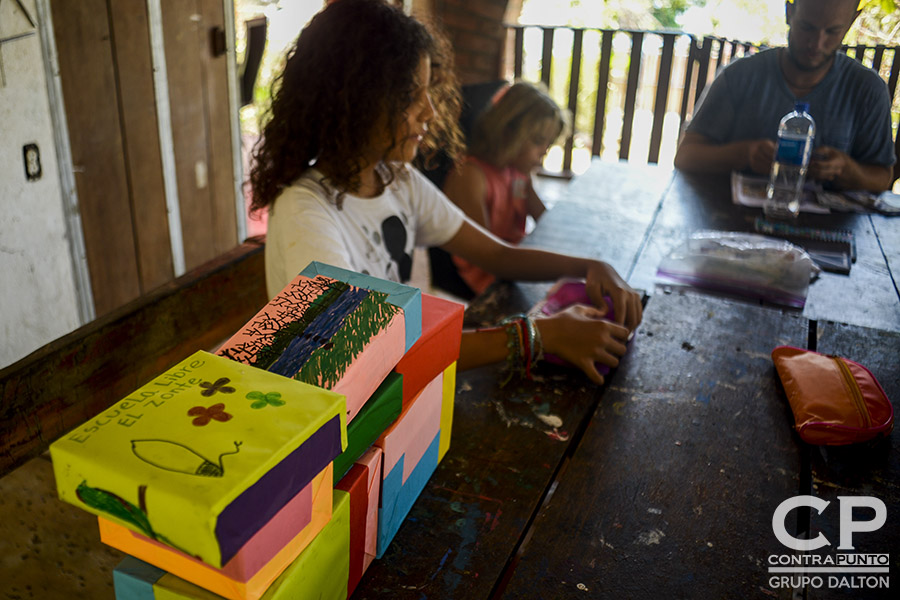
493,185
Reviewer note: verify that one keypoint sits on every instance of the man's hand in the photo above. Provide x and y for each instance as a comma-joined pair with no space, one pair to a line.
760,155
827,164
832,165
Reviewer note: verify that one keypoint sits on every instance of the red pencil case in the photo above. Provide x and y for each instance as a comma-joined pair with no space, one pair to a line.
835,401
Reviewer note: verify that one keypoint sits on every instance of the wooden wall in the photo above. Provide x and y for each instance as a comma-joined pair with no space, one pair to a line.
106,70
198,96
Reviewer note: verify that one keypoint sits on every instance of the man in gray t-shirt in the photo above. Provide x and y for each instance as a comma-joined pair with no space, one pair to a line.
736,122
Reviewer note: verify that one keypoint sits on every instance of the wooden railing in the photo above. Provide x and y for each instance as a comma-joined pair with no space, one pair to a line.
607,78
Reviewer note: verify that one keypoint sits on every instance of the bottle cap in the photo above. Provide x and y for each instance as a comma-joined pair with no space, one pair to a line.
801,106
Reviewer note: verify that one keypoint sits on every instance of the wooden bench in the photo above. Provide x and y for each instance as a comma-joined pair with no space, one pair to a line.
61,385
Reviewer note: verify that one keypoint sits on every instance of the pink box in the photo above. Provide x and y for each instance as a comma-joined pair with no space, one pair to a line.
363,482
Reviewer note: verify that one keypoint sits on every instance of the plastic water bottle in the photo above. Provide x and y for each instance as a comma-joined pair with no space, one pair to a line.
796,133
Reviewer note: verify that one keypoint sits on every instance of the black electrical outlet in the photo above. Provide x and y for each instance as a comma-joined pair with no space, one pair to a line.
32,156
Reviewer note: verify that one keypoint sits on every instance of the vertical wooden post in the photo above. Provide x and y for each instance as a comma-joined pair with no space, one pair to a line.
662,96
519,47
602,87
574,80
879,56
634,72
547,56
703,65
688,76
895,72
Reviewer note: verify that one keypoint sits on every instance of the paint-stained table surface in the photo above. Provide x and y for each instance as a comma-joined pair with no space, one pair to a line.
509,442
675,481
663,482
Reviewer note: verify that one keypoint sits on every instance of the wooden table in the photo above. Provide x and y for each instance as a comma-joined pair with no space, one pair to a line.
663,482
868,296
660,484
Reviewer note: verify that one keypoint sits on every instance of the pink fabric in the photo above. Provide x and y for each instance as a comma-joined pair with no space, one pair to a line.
506,209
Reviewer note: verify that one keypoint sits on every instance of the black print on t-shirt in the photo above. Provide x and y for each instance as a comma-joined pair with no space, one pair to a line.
394,234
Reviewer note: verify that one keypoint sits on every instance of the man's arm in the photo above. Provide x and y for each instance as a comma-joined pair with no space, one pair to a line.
830,164
698,154
865,163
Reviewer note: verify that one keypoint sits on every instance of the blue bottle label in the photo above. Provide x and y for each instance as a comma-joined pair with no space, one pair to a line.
791,151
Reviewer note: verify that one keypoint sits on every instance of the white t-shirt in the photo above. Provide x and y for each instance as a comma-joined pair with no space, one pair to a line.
375,236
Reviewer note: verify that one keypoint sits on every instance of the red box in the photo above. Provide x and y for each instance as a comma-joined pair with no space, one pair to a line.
437,349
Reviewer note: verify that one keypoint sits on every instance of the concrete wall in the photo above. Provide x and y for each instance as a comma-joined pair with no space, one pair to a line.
38,300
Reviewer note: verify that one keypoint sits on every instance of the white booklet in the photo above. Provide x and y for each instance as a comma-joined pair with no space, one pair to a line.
750,190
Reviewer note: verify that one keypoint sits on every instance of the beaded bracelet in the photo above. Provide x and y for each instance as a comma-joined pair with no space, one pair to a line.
535,343
524,344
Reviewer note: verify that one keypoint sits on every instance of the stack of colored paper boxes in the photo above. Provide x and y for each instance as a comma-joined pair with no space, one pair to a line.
281,466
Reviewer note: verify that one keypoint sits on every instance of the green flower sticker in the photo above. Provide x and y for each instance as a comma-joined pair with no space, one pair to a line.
261,400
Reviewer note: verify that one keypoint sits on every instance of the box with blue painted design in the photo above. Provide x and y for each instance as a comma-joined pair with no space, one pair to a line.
334,328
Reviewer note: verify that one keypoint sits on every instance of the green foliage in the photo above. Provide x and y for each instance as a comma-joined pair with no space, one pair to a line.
885,6
879,23
327,365
667,11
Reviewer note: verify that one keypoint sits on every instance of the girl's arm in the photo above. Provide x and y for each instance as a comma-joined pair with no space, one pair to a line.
466,186
530,264
578,334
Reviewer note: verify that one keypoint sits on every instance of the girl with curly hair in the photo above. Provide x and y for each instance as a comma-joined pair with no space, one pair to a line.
493,184
364,89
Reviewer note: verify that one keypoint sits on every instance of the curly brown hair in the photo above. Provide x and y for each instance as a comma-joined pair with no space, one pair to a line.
352,66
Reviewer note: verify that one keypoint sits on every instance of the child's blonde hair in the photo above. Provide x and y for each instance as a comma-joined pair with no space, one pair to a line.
523,112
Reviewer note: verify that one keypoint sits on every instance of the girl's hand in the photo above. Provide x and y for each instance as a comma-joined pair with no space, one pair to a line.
581,336
602,280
